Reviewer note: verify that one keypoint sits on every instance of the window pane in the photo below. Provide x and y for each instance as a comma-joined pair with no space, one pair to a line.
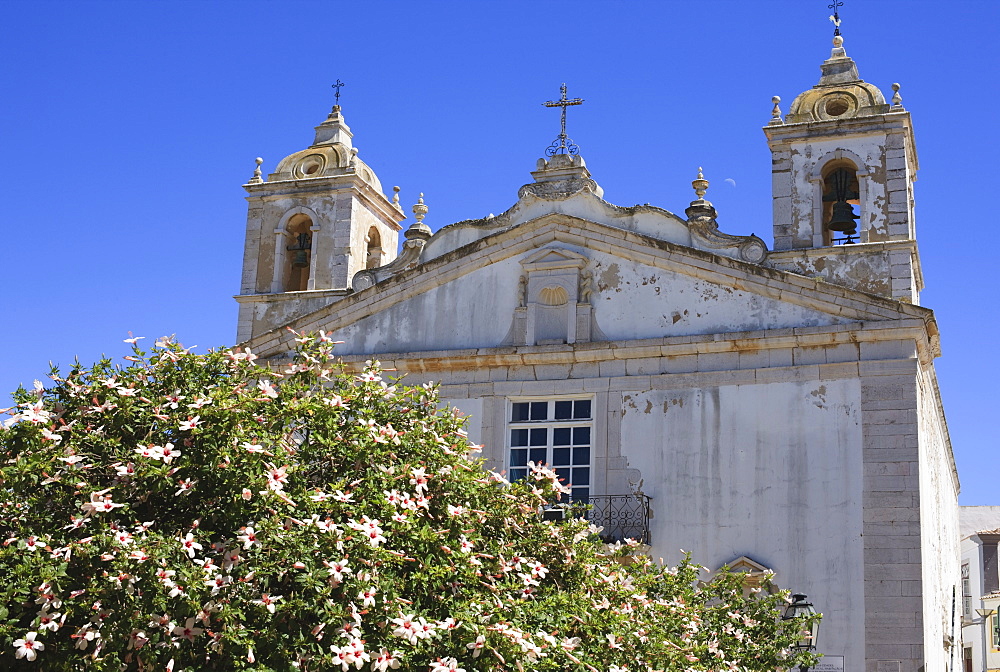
539,455
517,474
581,436
560,436
519,457
581,410
539,410
538,436
581,455
560,456
518,437
519,412
563,475
564,410
581,495
581,476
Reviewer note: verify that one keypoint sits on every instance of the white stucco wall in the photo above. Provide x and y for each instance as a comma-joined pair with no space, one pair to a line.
770,471
939,536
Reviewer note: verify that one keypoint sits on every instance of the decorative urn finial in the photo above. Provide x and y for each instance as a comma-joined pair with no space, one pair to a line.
418,230
700,185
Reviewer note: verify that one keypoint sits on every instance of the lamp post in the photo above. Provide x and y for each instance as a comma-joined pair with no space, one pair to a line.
984,617
800,607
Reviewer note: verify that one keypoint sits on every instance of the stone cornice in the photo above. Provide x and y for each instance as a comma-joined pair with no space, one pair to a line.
291,296
772,283
353,182
674,346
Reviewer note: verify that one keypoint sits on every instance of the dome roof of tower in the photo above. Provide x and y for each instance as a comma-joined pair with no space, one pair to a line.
331,154
840,94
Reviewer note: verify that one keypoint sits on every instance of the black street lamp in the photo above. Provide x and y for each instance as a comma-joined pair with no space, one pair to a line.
800,607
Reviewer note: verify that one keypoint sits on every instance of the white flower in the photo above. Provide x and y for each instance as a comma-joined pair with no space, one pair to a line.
99,503
190,423
477,646
367,597
188,631
267,601
190,545
385,661
446,665
248,538
28,647
267,388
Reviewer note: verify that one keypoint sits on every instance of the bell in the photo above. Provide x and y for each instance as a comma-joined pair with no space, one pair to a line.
843,218
300,260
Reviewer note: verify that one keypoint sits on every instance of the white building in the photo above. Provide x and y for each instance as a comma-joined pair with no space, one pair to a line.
980,531
772,408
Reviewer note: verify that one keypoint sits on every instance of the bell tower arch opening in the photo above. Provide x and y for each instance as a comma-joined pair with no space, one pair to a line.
841,195
296,270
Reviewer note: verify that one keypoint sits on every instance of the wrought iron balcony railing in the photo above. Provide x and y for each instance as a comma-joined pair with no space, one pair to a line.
622,516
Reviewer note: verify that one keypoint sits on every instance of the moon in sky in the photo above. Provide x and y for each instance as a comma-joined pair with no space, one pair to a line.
730,181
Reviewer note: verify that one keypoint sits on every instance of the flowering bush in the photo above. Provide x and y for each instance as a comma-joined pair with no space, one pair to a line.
201,512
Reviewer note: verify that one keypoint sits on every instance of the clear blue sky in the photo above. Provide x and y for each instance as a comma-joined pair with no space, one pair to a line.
127,129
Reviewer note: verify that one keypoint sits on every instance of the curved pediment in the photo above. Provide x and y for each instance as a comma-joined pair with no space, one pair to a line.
563,186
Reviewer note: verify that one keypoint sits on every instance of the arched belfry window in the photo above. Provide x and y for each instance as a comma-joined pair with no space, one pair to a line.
374,250
841,203
298,254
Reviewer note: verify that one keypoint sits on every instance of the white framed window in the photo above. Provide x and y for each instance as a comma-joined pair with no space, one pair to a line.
556,432
966,593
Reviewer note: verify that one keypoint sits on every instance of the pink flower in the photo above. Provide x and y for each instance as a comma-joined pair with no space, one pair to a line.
28,647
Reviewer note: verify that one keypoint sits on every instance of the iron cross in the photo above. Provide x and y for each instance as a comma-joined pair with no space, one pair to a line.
560,144
337,87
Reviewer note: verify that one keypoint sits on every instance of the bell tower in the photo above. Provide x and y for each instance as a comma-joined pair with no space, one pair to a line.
843,167
318,219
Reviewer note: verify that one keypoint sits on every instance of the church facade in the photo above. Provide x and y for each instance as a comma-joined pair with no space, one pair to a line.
771,409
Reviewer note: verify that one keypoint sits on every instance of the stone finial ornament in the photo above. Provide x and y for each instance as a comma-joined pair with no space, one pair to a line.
257,179
418,231
700,185
897,100
420,210
776,111
838,47
395,198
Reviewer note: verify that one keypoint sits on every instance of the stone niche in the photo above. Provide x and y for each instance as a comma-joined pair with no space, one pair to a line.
553,306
